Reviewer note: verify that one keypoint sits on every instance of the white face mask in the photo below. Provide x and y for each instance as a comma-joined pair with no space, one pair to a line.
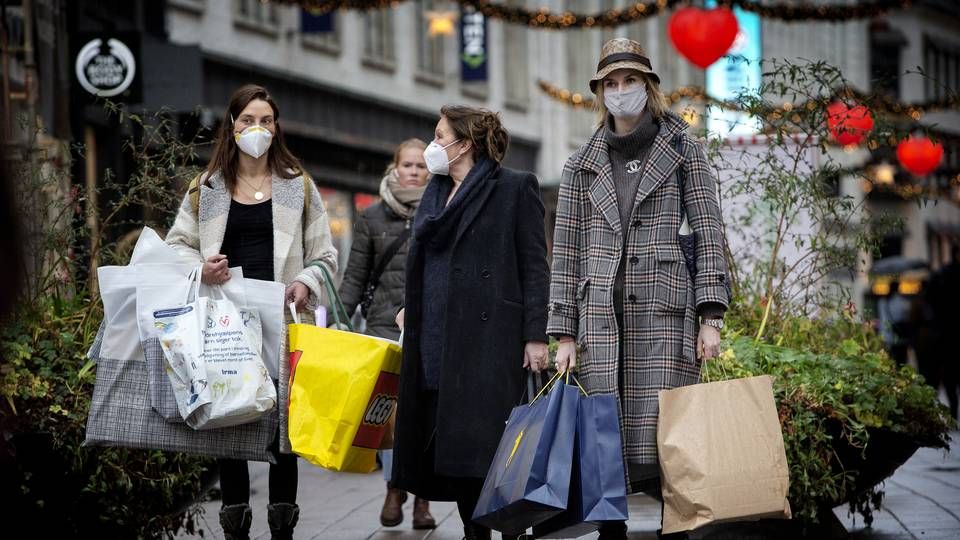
436,158
627,103
254,141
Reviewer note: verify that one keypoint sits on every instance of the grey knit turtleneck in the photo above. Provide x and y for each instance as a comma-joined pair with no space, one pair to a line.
628,156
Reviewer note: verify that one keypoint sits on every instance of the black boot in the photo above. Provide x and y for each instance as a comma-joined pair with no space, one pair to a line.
282,518
613,530
235,521
472,531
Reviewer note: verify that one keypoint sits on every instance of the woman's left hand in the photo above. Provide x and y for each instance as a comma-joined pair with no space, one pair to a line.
535,356
297,293
708,342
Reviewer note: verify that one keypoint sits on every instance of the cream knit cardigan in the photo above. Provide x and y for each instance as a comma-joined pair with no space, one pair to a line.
299,237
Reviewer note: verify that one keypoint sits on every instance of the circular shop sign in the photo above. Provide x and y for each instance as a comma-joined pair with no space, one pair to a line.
105,71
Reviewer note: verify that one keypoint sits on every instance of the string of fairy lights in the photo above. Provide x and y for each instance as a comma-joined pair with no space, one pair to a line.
697,93
558,20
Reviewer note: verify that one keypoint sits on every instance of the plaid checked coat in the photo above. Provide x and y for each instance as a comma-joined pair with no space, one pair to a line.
661,299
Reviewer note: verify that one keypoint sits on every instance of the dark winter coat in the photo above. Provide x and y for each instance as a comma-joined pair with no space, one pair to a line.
496,302
374,231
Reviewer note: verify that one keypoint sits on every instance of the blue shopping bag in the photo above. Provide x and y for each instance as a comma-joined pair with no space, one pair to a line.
598,489
529,479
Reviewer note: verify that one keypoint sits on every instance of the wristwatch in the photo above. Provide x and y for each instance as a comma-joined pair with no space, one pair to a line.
716,323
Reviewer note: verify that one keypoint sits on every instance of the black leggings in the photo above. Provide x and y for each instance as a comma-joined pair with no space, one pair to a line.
235,479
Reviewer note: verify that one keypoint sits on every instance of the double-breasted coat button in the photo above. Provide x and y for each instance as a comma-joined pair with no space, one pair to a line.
721,278
485,274
634,259
632,298
484,316
636,223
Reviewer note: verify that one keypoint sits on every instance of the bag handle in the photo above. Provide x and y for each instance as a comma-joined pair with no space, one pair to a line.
193,291
337,304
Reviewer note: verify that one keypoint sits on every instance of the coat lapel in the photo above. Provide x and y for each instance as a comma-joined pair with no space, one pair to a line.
471,212
287,208
661,163
213,223
602,192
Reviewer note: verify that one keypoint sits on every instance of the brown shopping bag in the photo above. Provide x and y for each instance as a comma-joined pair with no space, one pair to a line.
721,454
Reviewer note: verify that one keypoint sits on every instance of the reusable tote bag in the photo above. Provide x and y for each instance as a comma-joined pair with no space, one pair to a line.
343,389
121,415
721,454
214,360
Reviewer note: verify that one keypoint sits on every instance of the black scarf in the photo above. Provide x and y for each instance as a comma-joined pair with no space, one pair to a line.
437,222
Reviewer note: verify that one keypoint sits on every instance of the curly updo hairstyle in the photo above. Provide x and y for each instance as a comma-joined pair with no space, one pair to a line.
481,127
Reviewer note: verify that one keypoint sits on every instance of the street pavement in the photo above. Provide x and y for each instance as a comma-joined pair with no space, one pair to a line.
922,503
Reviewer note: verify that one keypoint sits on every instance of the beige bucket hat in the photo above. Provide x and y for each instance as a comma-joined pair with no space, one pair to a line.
622,53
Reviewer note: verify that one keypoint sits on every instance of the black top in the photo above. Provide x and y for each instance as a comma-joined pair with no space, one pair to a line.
248,240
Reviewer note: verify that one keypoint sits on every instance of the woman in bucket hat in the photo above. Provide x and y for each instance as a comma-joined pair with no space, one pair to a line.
624,306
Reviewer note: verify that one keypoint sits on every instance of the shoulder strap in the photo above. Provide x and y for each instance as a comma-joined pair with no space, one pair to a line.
193,191
307,192
388,255
681,176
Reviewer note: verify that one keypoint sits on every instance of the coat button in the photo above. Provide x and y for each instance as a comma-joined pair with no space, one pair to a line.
634,259
721,278
632,298
484,316
636,223
485,274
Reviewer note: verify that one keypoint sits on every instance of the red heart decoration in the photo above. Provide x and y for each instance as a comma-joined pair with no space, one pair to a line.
703,35
919,155
849,125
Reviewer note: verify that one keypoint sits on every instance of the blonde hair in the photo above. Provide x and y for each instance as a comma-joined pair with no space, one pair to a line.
656,101
409,143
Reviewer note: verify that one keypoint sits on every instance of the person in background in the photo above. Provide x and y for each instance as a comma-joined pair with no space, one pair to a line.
894,314
621,294
253,213
944,299
475,312
374,281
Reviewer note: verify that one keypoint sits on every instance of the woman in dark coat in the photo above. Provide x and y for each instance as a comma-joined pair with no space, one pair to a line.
475,316
621,293
376,271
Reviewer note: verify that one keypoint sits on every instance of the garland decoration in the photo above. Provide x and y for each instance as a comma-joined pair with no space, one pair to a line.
880,103
637,11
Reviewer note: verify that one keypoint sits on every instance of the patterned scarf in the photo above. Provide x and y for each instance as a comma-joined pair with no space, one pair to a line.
402,200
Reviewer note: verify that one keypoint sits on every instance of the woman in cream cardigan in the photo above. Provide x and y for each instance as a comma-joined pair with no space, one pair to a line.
256,210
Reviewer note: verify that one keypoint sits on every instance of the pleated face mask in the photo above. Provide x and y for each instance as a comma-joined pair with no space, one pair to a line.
254,141
626,103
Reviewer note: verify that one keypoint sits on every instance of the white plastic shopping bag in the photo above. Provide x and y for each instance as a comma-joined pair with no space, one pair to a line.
213,352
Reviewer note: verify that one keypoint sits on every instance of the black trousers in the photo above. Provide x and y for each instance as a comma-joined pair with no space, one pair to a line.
235,478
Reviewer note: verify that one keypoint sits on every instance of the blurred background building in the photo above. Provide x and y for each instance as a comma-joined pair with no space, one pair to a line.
353,84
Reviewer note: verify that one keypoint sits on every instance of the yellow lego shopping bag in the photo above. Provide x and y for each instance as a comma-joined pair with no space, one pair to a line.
343,388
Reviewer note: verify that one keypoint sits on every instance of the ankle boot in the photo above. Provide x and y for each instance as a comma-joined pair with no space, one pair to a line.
392,513
421,515
613,530
282,518
472,531
235,520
